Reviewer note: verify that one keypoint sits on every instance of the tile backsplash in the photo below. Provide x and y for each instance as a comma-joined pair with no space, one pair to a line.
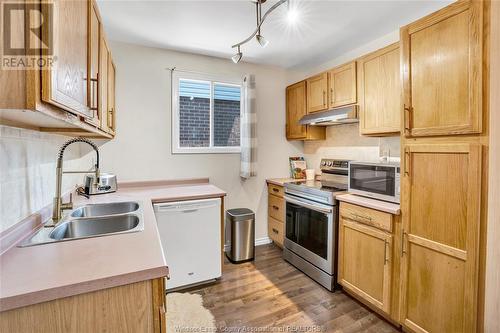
345,142
27,171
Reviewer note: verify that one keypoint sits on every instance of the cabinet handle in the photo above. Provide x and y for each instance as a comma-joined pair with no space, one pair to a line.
110,118
93,94
275,231
408,111
386,260
324,98
275,207
275,190
331,95
361,217
407,162
403,250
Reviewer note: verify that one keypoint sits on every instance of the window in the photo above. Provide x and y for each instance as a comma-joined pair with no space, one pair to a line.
206,114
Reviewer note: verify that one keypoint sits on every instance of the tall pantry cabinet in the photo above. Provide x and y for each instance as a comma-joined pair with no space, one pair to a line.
444,145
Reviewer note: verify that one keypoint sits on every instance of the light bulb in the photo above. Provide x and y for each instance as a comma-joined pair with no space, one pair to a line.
262,41
292,14
237,57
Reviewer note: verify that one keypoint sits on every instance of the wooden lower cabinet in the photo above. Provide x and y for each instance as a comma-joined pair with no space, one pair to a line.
276,214
365,264
441,225
137,307
368,263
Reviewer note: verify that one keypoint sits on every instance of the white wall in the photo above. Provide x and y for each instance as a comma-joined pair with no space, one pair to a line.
142,147
27,171
298,74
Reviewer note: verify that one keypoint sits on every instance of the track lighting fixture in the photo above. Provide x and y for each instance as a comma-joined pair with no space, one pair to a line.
237,57
262,41
258,36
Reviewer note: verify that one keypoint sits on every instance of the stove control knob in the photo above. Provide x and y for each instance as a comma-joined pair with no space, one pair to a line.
330,163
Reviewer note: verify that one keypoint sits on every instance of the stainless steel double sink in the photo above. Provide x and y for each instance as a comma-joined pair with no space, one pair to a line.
93,220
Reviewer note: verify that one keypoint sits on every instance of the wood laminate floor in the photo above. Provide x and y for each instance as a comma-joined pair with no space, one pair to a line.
269,295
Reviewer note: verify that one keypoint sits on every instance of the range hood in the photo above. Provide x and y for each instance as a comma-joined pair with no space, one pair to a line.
339,116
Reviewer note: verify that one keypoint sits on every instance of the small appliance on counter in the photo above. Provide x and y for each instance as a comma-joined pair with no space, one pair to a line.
105,184
375,180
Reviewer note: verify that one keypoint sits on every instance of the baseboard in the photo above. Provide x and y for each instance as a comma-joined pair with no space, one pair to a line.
258,241
263,241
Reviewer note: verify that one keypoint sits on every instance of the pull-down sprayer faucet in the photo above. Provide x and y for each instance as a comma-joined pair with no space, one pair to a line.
59,206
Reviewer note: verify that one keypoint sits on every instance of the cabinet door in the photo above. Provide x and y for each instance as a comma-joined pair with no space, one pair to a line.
380,91
65,85
365,262
295,109
103,82
316,93
93,49
442,71
342,89
441,204
111,96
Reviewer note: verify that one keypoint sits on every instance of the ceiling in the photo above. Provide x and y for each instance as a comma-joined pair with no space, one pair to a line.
323,31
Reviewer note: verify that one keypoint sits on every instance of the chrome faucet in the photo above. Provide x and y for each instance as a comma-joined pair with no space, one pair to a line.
59,206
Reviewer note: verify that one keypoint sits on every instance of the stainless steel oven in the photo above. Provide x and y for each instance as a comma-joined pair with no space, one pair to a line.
311,225
310,231
375,180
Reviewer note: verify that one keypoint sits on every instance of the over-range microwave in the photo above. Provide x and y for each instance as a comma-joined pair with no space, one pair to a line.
375,180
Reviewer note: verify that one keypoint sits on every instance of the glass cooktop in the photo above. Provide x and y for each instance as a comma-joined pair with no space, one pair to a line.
323,185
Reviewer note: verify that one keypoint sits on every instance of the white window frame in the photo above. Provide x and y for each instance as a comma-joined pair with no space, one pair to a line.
213,79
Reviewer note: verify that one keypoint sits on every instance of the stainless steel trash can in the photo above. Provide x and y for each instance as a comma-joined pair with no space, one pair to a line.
240,235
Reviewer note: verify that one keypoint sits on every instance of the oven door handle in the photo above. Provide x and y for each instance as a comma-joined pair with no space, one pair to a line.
321,209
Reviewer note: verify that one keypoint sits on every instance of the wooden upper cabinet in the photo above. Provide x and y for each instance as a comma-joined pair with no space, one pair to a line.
295,109
103,82
380,92
93,50
442,71
317,90
441,212
65,85
342,88
111,114
365,263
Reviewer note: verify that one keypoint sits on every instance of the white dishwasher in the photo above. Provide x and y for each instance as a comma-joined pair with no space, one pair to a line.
190,233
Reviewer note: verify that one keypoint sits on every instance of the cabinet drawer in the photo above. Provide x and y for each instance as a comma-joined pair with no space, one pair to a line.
276,229
275,190
277,208
367,216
